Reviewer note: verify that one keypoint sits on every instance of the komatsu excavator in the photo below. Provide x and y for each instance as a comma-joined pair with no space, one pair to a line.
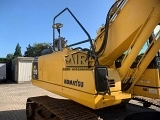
111,71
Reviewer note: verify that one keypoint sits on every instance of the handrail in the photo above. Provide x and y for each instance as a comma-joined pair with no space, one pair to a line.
84,41
89,38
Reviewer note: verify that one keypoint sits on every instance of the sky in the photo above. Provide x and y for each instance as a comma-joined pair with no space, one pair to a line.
30,21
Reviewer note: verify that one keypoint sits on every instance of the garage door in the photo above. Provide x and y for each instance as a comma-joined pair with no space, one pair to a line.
25,68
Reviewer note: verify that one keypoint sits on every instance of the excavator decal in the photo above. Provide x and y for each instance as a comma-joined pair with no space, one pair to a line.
74,82
77,59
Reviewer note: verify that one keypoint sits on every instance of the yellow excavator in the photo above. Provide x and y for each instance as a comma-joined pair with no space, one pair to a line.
111,71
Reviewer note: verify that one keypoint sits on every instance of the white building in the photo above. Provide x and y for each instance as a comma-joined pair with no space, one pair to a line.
22,69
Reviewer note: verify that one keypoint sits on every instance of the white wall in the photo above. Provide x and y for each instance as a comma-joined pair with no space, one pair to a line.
2,71
22,69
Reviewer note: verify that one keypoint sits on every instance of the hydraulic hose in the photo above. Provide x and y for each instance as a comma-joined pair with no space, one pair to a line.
105,39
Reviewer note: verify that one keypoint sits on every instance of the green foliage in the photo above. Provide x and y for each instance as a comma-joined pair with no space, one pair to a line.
3,60
17,52
9,56
36,49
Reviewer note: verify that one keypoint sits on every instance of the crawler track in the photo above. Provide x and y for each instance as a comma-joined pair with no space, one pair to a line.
47,108
44,107
147,101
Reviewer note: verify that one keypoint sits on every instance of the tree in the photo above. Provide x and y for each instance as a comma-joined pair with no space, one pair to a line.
29,52
3,60
17,52
9,56
36,49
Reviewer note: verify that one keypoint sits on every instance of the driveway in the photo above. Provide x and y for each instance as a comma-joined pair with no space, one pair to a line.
13,102
13,99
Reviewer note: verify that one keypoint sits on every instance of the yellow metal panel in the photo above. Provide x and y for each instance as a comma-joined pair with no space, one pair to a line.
149,78
147,91
40,68
93,101
52,67
113,74
82,80
86,78
124,28
76,83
